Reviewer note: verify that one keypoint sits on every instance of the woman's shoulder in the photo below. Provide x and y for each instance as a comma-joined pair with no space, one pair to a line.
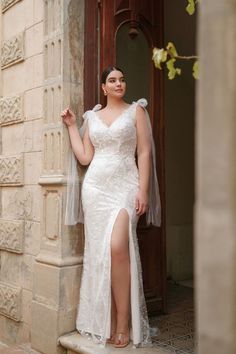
141,102
89,112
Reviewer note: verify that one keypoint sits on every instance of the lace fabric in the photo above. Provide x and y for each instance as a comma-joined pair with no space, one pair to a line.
74,208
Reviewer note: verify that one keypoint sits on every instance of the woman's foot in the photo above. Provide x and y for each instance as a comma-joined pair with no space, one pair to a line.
121,340
112,338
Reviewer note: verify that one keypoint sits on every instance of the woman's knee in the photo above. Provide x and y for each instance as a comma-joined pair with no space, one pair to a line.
120,252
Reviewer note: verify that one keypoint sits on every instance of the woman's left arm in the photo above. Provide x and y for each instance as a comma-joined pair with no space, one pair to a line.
144,160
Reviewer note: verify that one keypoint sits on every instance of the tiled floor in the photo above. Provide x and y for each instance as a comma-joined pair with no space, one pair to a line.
177,327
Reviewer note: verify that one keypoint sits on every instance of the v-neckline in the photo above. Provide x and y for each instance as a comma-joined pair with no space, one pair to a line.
117,118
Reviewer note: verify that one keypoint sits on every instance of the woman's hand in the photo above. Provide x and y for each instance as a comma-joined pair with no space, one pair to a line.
141,202
68,117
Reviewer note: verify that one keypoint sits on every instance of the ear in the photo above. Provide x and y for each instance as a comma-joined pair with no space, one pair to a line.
103,86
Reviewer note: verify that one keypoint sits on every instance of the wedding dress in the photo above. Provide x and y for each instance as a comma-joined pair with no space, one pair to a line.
111,183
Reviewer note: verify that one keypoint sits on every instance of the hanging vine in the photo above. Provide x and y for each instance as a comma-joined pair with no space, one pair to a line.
170,56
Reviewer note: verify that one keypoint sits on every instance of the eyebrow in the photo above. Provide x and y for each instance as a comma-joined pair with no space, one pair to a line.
112,78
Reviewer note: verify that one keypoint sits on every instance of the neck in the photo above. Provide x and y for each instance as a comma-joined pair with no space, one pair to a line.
111,102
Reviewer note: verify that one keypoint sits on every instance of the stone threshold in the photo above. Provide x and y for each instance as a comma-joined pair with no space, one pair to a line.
24,348
75,343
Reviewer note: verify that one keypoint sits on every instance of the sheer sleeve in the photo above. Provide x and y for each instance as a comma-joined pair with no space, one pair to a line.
153,214
74,209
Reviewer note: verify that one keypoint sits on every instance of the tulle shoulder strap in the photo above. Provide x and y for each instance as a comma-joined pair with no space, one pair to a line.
87,114
97,107
153,214
142,102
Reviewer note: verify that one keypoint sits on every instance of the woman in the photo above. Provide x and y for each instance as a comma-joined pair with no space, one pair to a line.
114,194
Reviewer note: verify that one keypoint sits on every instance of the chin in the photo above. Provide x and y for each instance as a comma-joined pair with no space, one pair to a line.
119,94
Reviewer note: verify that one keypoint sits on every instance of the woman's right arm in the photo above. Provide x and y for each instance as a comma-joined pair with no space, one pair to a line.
83,149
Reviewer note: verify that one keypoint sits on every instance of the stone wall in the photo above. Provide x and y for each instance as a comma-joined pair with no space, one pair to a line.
41,258
21,117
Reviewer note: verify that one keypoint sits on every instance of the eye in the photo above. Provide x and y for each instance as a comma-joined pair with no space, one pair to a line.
112,80
122,79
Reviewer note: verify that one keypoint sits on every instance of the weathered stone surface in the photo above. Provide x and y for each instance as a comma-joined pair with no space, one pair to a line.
34,40
52,158
32,238
75,343
33,136
12,50
12,139
8,3
9,84
10,271
26,306
21,203
10,301
11,170
52,103
33,104
32,167
52,57
34,71
52,19
11,109
27,267
11,235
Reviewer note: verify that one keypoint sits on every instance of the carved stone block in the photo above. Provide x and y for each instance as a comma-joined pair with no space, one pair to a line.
11,109
52,104
52,218
52,57
11,235
8,3
12,50
52,161
11,170
10,301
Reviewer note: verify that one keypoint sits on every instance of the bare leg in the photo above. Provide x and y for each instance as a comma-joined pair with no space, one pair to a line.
120,274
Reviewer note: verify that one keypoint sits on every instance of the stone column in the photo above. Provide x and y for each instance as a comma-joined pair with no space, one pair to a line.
58,267
215,209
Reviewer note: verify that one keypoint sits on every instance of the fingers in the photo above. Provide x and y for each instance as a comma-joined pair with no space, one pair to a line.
65,112
140,207
136,205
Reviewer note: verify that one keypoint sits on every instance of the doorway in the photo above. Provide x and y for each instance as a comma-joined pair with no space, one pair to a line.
114,33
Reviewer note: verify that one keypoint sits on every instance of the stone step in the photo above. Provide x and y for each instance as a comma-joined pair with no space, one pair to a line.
75,343
24,348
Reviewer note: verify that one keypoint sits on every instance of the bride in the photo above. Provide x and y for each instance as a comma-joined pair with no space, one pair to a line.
115,192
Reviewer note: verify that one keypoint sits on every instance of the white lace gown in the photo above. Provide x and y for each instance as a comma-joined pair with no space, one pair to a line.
110,184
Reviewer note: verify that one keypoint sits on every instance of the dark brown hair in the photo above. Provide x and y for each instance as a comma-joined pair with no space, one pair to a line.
107,71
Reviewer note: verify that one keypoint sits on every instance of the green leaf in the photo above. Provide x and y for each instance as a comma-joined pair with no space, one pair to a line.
196,70
172,70
159,56
190,7
171,49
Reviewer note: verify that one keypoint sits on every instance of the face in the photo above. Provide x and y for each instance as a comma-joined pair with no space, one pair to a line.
115,84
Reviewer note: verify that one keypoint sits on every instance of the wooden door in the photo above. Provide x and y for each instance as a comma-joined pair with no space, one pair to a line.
103,21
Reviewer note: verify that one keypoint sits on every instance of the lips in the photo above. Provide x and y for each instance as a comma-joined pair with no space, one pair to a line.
119,90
